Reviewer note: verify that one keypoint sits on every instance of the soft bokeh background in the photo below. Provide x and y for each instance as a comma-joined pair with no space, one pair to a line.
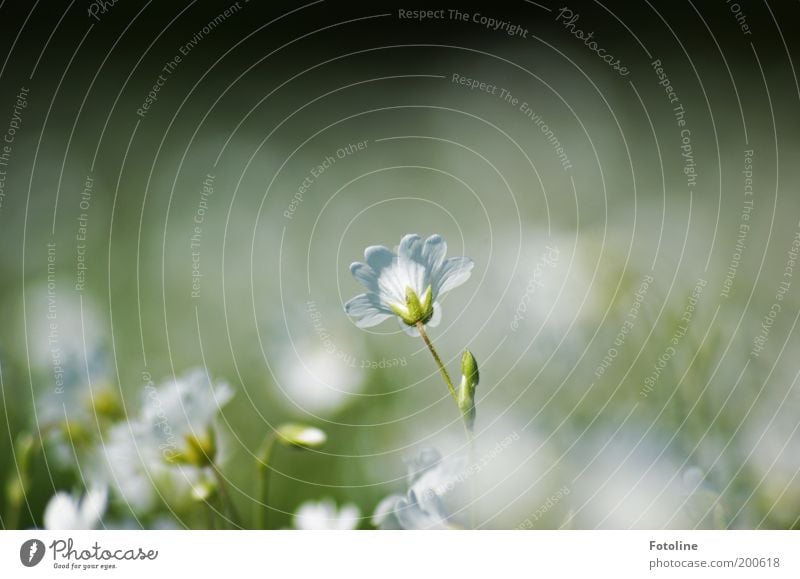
560,252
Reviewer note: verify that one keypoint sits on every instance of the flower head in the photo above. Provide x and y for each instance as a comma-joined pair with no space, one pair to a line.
66,513
466,391
407,283
324,515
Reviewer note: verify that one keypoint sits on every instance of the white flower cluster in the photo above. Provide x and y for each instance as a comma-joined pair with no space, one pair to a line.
164,451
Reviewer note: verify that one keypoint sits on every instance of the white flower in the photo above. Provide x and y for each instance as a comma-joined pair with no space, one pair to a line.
406,284
323,515
66,513
422,507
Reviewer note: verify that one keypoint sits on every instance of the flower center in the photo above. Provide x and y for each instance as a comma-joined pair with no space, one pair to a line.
415,309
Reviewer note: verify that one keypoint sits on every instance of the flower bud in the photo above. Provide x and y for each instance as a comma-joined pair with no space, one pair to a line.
466,391
300,436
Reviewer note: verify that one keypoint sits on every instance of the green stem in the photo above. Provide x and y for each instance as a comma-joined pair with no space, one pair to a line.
225,495
263,476
445,375
467,427
442,369
472,463
18,485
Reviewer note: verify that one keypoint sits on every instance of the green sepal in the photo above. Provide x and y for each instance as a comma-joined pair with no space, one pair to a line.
466,390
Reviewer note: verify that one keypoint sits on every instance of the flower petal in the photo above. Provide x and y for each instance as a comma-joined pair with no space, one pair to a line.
222,392
315,515
190,402
454,272
364,304
410,247
404,274
433,252
364,275
410,330
367,307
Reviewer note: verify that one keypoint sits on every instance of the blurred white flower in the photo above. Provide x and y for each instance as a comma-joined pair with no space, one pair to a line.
406,284
66,513
430,478
180,415
65,335
320,382
168,446
622,486
323,515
